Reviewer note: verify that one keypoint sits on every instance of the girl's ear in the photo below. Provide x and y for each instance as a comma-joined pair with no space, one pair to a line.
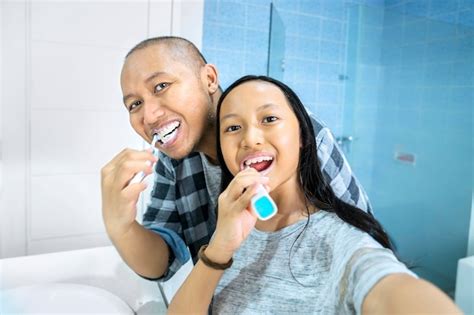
212,78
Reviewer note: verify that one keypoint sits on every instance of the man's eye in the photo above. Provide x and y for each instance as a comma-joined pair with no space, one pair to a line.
232,128
160,86
270,119
134,105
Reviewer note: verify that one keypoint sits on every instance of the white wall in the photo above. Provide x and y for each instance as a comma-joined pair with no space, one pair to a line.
13,203
62,113
1,79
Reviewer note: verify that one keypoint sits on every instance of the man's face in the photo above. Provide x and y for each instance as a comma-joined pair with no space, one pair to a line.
167,97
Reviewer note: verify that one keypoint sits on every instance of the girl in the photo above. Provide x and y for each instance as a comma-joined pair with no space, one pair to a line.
317,255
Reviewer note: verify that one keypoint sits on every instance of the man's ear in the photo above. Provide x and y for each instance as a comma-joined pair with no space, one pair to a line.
212,78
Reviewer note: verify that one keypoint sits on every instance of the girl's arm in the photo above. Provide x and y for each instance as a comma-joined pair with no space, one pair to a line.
403,294
194,296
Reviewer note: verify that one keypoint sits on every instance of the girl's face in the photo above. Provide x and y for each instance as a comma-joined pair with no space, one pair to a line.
259,129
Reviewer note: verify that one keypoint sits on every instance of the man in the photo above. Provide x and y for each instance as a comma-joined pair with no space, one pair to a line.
169,89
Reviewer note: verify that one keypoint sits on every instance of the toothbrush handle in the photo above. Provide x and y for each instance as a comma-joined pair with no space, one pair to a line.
141,175
137,178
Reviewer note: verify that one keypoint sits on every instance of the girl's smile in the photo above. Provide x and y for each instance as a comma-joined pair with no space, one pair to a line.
261,161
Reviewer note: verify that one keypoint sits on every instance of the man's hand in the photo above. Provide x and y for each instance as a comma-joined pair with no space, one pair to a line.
119,197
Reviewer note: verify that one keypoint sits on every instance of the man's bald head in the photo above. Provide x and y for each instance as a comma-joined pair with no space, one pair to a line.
180,50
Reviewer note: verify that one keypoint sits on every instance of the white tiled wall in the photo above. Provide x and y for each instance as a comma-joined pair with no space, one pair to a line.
1,126
64,114
68,215
78,141
77,120
76,74
13,103
95,23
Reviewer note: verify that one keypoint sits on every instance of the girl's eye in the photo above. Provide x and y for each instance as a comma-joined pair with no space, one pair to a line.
232,128
160,86
270,119
134,105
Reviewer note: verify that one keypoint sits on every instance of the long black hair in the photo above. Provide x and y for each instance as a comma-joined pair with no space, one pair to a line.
316,190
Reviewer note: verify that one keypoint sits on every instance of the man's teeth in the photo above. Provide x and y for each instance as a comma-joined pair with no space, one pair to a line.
169,136
166,133
258,160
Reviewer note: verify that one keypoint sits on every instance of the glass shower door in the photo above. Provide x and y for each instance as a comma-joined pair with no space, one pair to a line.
408,108
276,46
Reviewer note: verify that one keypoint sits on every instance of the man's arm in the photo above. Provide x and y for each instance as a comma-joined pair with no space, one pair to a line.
144,251
403,294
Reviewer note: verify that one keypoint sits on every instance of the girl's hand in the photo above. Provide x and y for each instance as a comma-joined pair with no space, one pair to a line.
235,219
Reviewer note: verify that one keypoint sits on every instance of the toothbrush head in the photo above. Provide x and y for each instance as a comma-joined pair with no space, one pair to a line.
153,143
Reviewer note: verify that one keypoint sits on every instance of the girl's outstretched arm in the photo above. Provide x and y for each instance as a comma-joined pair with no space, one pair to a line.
195,294
403,294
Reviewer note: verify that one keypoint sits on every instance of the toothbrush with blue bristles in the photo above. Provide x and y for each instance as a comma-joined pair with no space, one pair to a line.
262,204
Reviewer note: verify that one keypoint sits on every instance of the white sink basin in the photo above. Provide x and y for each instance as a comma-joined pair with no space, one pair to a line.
61,298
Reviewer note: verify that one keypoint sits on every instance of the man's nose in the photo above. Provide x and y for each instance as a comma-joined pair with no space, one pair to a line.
152,111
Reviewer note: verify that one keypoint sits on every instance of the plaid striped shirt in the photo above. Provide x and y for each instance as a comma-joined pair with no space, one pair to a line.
182,208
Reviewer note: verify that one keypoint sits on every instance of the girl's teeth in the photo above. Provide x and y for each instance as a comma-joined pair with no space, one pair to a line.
257,160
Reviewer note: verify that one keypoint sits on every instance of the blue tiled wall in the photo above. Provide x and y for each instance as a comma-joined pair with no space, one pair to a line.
416,98
236,39
451,11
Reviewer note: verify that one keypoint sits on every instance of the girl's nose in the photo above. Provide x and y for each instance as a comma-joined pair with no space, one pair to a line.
252,137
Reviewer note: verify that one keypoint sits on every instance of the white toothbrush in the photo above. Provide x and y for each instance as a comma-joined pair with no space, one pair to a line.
141,175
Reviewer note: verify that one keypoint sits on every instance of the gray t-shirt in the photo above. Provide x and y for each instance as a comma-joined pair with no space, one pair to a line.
332,267
212,173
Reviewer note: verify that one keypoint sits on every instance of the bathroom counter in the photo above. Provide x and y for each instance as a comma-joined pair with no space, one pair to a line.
101,268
